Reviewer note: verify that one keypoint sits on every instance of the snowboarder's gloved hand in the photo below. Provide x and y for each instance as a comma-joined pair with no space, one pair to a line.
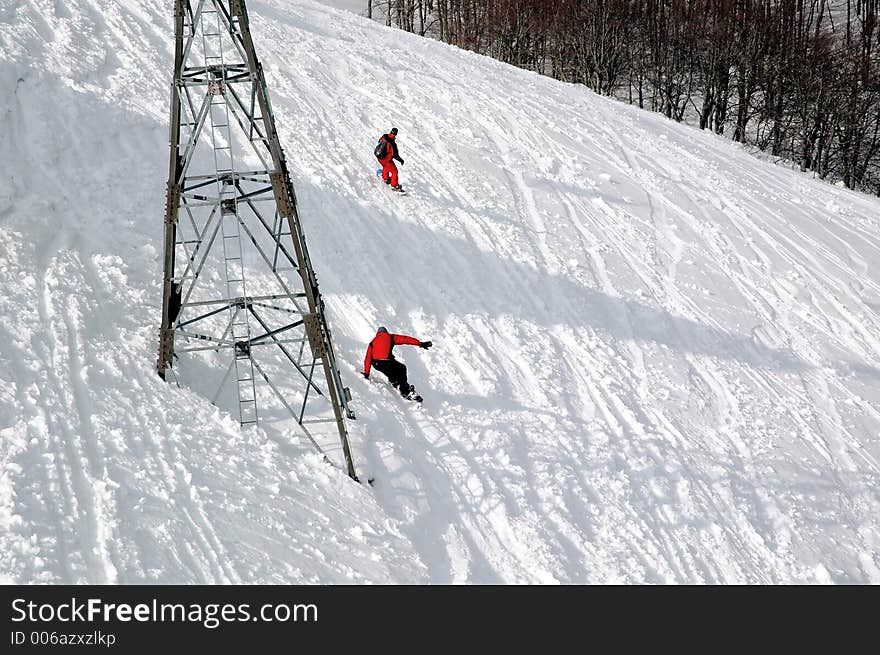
425,344
401,162
366,375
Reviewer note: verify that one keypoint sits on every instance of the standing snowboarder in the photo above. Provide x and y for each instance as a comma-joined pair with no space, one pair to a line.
386,153
379,355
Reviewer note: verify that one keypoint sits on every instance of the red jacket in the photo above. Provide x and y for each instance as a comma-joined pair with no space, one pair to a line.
382,344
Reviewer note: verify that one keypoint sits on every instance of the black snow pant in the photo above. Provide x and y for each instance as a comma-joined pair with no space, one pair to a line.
395,372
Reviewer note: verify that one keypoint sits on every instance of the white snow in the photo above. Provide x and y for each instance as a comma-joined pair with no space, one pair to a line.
655,360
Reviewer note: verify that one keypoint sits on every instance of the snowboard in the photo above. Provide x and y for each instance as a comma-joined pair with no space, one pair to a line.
412,397
379,175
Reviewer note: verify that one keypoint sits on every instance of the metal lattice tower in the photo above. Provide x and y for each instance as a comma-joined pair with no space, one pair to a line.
240,293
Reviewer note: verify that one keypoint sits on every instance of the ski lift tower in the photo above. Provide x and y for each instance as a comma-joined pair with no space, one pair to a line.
239,291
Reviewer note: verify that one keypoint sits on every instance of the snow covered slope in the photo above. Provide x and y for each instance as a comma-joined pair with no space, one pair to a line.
656,358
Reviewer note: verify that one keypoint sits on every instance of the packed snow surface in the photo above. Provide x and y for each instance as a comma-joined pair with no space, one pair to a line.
656,358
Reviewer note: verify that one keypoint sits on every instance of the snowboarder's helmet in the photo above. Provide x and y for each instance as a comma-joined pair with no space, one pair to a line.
394,131
381,329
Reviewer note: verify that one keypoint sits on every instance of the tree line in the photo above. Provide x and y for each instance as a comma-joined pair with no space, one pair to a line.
799,79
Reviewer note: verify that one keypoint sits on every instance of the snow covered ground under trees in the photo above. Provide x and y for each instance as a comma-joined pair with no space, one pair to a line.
656,358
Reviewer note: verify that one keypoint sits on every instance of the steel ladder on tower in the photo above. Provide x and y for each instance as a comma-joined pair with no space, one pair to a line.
238,330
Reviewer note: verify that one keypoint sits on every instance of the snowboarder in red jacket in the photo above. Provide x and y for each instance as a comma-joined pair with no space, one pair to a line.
389,170
379,355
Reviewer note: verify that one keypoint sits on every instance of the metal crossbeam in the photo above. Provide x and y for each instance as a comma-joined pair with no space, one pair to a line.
234,241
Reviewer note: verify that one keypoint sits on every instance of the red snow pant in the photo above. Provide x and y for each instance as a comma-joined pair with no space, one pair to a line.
389,170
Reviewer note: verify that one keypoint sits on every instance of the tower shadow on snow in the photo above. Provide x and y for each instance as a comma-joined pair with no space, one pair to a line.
407,258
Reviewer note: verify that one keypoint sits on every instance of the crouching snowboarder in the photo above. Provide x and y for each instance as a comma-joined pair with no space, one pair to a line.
379,355
386,153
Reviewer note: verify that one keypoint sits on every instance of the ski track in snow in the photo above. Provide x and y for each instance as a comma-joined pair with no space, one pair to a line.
656,357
